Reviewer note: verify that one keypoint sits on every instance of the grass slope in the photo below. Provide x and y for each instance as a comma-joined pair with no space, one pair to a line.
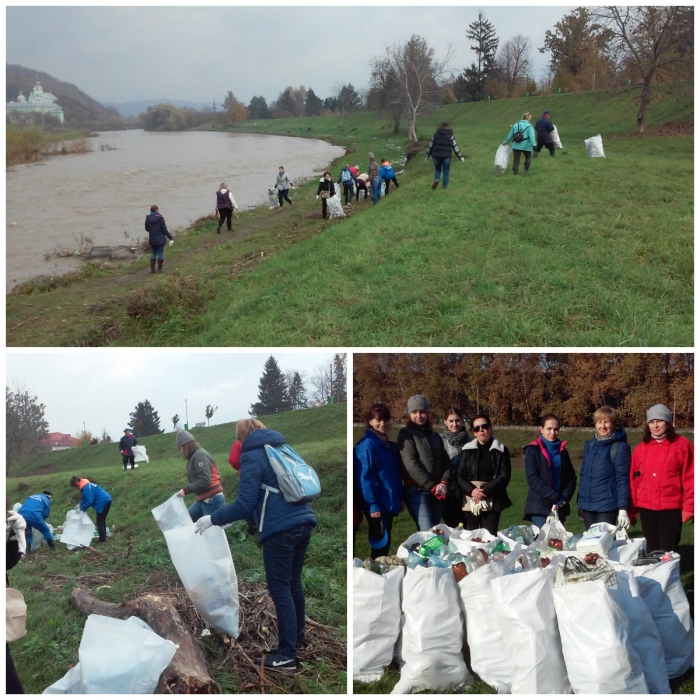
138,554
581,252
517,491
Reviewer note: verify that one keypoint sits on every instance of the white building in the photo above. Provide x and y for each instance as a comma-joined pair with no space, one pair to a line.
38,102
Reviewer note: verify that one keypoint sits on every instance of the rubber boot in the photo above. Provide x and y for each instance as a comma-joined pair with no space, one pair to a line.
160,269
535,154
153,265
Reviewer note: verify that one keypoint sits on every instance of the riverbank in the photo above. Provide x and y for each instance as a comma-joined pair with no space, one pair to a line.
583,252
31,144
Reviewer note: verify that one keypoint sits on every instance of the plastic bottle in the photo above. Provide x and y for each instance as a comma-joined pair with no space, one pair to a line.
434,560
457,532
413,560
430,546
444,551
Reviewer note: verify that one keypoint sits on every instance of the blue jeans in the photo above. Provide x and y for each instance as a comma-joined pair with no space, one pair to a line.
424,508
157,252
283,556
444,165
200,508
540,520
592,516
376,187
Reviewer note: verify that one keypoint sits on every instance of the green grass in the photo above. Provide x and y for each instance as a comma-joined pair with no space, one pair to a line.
138,553
581,252
404,526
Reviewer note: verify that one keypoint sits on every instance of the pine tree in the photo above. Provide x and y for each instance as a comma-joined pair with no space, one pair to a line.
297,392
273,393
340,382
483,33
144,421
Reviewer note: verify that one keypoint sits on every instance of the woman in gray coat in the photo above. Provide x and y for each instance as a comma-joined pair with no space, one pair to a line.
282,185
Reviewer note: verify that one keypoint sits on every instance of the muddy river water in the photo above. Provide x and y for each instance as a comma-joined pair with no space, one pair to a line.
106,194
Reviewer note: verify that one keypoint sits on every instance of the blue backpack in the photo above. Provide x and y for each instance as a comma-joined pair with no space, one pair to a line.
346,176
297,481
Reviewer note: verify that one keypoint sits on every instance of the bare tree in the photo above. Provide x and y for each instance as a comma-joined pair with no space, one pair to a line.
657,41
175,419
513,61
209,412
414,76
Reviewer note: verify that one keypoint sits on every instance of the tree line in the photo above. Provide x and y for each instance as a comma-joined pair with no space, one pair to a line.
516,389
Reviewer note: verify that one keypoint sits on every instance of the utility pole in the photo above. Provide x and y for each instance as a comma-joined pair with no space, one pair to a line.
187,420
331,375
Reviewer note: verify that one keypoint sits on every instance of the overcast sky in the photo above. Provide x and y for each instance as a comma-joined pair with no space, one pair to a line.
122,54
103,388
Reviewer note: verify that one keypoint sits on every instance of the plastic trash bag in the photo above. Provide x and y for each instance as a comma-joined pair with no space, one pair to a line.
594,147
626,551
204,565
69,684
335,206
432,637
503,156
376,621
555,138
78,530
598,538
139,453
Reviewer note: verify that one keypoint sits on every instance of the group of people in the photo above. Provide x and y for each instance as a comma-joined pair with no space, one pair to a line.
528,141
461,478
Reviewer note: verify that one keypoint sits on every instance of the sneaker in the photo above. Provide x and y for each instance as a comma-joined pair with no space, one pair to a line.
435,184
218,229
277,661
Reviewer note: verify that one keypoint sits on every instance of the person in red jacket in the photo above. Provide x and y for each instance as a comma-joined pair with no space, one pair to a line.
661,480
234,458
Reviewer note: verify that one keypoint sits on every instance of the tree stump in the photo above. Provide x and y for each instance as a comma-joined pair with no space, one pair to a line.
188,672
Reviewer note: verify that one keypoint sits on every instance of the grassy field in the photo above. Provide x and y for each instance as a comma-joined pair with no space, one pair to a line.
581,252
517,491
139,557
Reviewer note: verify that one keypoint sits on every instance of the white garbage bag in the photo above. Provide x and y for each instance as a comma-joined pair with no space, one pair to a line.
139,453
594,147
503,156
205,567
660,586
596,642
528,624
171,514
335,206
68,685
555,138
433,633
598,538
78,530
626,551
376,621
487,652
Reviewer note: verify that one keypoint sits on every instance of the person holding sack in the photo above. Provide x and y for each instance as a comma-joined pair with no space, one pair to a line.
93,496
225,206
326,189
524,140
35,510
482,475
284,531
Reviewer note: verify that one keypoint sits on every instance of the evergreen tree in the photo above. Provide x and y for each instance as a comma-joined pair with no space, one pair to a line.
340,382
297,392
144,421
485,47
313,104
258,108
273,393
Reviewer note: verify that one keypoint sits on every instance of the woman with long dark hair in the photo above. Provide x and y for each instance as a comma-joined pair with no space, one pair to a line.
454,437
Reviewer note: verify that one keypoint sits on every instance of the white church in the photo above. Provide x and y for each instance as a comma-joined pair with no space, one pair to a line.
38,102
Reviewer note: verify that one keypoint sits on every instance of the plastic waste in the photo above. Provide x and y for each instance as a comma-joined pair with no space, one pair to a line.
503,155
434,560
430,546
413,560
594,147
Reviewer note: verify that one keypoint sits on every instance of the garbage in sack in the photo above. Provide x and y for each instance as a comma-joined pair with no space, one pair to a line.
78,530
597,648
272,200
528,624
139,453
503,156
376,620
594,147
660,586
626,551
37,537
203,563
556,141
432,636
598,538
335,206
136,657
413,543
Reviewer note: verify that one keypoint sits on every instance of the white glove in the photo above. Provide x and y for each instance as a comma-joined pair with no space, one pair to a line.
204,523
623,520
171,243
77,508
462,159
554,517
316,196
181,493
427,158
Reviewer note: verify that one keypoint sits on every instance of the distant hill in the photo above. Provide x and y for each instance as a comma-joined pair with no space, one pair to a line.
133,109
79,109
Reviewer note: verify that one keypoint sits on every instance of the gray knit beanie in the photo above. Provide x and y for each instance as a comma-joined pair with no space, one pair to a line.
660,412
182,438
418,403
370,155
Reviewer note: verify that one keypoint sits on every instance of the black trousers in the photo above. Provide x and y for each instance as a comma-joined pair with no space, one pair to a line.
592,516
348,191
324,207
225,215
661,529
126,459
516,160
282,195
102,523
489,520
388,522
548,146
393,179
453,514
12,683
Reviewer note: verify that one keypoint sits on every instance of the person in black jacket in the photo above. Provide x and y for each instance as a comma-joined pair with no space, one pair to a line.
544,129
440,148
157,233
225,206
326,189
126,445
483,474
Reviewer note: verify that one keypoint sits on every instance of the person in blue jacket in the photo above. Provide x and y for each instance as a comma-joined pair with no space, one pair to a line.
35,510
604,479
549,473
93,496
157,233
348,180
387,174
284,530
378,478
544,129
522,135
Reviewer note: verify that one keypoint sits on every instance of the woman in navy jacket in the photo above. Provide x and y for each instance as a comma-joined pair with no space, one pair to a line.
284,530
604,488
378,478
157,233
549,473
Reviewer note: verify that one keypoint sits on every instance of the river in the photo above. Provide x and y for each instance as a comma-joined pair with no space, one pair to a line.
106,194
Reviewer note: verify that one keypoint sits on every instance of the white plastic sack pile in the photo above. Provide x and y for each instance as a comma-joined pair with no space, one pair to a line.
203,563
136,657
335,207
433,632
78,530
594,147
139,453
503,156
376,620
555,138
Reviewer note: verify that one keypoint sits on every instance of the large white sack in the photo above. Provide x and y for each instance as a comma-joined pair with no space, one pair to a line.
626,551
171,514
78,530
139,453
335,206
488,656
644,636
660,586
594,147
376,621
555,138
503,156
595,640
433,633
68,685
528,624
